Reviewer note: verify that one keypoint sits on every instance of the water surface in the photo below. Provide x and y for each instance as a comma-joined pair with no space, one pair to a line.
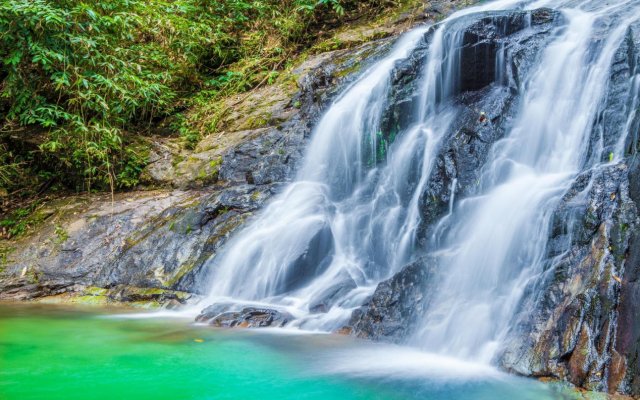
52,352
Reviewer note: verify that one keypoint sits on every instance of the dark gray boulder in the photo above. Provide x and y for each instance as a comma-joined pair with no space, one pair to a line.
396,305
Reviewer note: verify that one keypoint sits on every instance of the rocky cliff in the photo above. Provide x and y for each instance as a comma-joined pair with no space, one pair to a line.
150,247
580,321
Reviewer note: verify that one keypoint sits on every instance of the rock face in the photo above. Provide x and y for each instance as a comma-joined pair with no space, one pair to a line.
580,323
395,304
162,239
570,331
485,109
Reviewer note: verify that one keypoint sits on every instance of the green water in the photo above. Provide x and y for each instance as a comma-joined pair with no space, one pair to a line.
50,352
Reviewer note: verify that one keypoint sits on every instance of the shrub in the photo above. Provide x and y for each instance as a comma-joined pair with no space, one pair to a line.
78,78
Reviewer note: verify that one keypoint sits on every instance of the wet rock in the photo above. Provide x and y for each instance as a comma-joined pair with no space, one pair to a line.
581,324
485,105
570,326
249,317
614,115
486,101
395,306
628,338
21,289
311,263
327,299
213,311
465,152
151,296
485,43
263,160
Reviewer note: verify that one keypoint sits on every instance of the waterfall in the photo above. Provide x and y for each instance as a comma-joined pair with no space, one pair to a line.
495,246
342,226
349,220
351,217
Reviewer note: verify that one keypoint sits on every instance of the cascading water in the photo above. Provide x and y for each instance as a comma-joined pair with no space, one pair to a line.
495,244
341,227
352,216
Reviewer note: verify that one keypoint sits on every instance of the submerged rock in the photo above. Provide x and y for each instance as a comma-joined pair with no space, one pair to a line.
249,317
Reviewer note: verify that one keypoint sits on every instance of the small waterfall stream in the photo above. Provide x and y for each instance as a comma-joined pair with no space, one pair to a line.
495,245
312,237
353,214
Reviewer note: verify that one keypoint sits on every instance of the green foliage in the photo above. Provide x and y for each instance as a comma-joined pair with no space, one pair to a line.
78,77
189,136
10,170
4,257
81,72
17,222
310,6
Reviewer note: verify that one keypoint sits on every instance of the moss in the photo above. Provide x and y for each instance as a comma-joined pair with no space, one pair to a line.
215,163
152,225
95,291
202,175
146,304
177,159
349,71
61,234
203,171
259,121
152,297
148,298
231,224
32,275
130,242
145,291
332,44
179,273
5,251
91,299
